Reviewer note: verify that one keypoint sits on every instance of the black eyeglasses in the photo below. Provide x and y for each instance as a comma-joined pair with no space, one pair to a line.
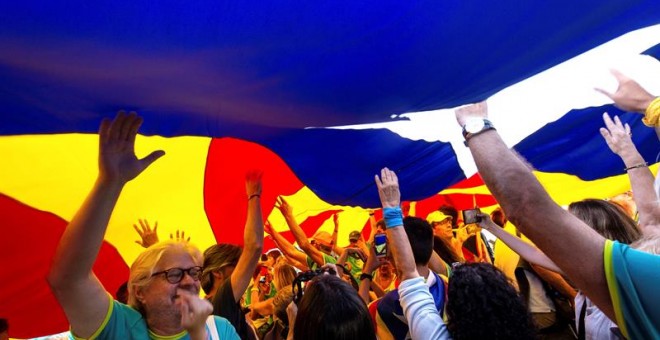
175,275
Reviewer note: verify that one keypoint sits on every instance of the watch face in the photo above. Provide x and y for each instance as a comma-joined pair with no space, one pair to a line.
474,125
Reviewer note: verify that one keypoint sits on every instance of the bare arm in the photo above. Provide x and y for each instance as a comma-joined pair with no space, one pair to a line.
285,246
532,210
370,265
618,139
437,264
298,233
390,197
79,292
372,223
337,249
253,236
528,252
556,281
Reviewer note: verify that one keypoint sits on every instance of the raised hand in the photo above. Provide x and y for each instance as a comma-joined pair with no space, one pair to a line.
148,236
373,262
478,110
283,206
486,222
180,236
388,188
268,228
629,96
616,135
253,183
117,160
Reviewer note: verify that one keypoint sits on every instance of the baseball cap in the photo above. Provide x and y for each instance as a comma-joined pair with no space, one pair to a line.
437,216
354,236
323,237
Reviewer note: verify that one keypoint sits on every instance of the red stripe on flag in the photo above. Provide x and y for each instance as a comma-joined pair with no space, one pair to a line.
28,243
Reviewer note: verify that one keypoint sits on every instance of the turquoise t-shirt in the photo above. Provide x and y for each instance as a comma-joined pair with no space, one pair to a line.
326,259
632,278
124,322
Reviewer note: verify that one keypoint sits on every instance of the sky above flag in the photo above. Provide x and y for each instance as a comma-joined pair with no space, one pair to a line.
318,95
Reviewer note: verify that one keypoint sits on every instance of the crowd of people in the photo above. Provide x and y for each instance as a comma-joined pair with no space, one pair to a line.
582,273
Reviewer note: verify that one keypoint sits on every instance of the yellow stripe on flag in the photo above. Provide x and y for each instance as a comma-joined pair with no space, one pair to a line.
54,173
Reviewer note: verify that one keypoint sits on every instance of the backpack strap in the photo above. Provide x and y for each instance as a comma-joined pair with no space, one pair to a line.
583,312
212,328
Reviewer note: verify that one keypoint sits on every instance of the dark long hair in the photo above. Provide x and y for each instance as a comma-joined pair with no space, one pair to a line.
331,309
482,304
445,250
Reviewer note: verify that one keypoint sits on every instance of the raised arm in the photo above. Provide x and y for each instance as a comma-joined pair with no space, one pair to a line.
82,297
288,250
253,237
416,300
298,233
528,252
618,139
337,249
397,239
555,231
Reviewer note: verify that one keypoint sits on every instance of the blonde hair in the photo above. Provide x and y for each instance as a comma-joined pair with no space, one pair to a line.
144,266
283,275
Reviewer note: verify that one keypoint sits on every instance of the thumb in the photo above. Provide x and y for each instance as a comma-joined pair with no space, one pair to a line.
608,94
152,157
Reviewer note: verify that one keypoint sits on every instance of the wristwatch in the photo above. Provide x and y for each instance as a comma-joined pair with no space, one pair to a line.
475,126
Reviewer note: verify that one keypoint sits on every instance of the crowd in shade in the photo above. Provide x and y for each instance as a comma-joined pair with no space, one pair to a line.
585,272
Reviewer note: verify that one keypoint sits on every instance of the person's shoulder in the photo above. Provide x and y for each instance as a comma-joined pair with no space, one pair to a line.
225,329
329,259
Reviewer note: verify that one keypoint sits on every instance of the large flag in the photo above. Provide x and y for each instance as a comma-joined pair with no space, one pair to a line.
287,86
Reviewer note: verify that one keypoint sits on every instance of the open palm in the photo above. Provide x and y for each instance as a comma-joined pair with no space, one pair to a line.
117,160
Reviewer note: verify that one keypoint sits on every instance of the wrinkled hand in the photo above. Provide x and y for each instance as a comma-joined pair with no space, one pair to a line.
117,160
617,135
478,110
253,182
180,236
388,188
284,207
629,96
149,236
194,311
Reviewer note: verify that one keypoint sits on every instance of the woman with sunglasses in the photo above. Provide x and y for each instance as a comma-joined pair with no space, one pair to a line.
164,281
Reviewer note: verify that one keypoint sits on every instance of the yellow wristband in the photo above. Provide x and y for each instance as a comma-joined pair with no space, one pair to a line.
652,114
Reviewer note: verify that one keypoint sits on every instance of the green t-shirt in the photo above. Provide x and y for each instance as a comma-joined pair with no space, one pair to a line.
356,266
326,259
247,297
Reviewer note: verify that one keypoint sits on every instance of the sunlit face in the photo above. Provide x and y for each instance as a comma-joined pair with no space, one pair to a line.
160,296
386,268
442,229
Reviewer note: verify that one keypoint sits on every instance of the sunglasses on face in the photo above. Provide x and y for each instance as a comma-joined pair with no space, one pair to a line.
175,275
